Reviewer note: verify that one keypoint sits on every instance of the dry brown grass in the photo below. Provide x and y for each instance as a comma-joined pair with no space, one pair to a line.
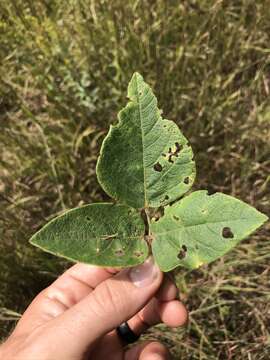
64,71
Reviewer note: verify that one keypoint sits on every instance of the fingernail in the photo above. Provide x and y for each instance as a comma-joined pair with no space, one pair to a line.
145,274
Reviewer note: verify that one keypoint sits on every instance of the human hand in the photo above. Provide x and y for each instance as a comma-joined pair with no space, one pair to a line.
75,318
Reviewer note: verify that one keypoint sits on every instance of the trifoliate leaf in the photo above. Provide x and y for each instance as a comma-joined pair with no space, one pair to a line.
200,228
145,161
99,234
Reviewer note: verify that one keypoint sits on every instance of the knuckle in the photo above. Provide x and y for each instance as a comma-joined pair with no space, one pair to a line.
109,299
157,347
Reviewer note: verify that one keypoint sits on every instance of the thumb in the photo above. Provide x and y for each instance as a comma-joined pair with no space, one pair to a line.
112,302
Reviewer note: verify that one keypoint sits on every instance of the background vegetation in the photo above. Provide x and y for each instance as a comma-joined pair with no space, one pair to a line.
64,69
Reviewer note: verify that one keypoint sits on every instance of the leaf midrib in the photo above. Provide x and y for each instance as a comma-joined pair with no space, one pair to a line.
100,237
140,114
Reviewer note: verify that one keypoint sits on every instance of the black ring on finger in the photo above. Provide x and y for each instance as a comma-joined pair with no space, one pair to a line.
126,334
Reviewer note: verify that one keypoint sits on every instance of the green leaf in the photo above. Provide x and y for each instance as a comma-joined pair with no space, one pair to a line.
99,234
145,161
200,228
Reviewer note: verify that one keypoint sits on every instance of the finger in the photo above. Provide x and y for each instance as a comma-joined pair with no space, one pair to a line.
148,351
112,302
152,313
70,288
172,313
168,290
139,323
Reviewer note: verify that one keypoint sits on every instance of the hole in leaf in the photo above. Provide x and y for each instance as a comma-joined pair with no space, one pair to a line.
158,167
166,197
158,213
178,148
186,180
175,153
170,159
176,218
182,253
227,233
88,218
119,252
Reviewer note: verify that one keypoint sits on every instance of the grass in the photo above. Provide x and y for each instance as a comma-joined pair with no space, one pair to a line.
64,68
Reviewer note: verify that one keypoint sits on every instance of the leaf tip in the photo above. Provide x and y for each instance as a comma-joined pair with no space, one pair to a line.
136,76
135,86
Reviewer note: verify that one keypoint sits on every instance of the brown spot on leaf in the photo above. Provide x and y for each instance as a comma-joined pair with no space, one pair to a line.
158,167
158,213
182,253
186,180
148,239
119,252
138,253
227,233
170,159
176,218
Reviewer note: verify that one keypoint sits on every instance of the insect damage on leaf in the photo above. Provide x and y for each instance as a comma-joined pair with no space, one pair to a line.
204,234
169,156
138,253
227,233
109,237
146,165
182,253
156,214
149,137
211,191
119,252
158,167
